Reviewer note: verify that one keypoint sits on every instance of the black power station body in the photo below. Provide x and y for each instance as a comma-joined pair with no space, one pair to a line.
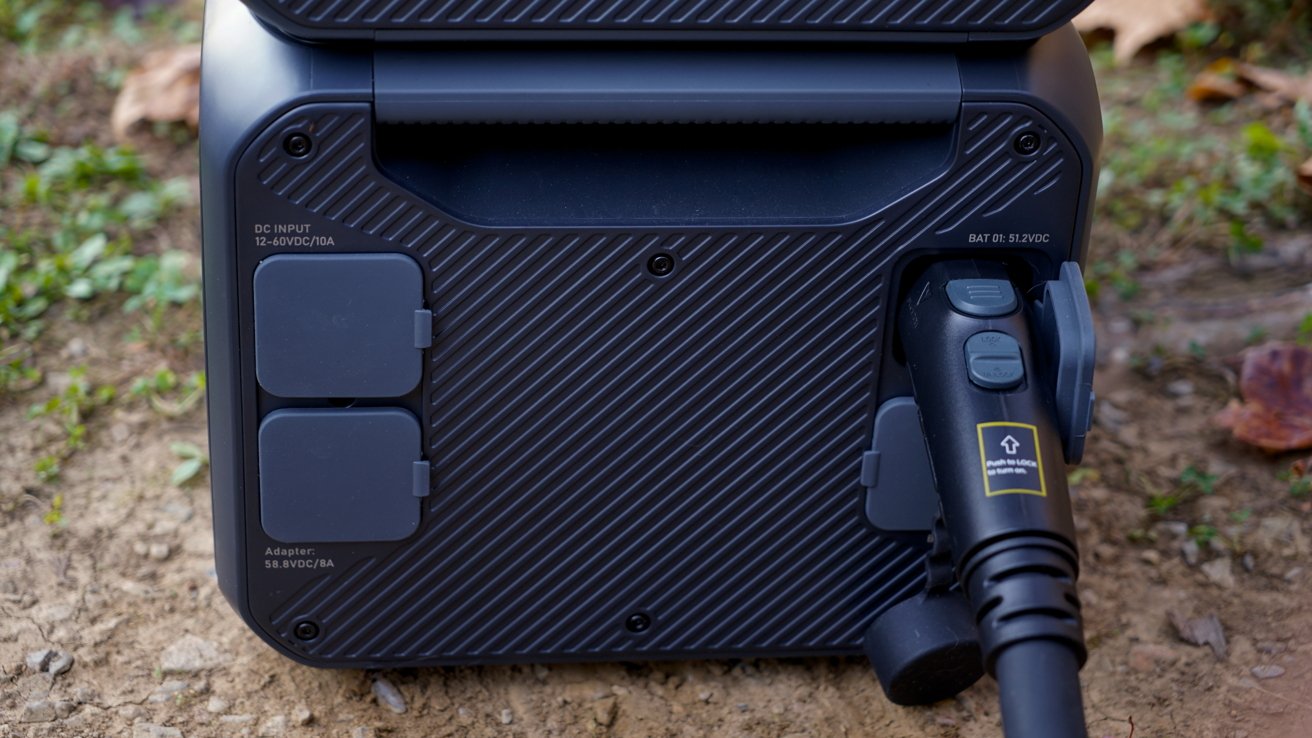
526,351
732,21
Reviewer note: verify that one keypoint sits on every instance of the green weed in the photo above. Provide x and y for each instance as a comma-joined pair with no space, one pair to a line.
1300,485
193,461
168,394
71,406
1203,534
1194,478
1305,330
1162,504
54,517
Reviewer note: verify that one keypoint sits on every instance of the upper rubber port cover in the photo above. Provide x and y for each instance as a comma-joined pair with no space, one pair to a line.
948,21
340,325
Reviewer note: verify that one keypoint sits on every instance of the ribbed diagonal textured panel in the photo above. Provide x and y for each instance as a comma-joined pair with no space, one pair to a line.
942,16
606,443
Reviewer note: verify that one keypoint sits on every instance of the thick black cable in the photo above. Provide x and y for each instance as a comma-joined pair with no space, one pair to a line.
1039,690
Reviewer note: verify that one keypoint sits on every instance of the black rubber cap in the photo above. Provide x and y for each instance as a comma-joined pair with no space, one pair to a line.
925,649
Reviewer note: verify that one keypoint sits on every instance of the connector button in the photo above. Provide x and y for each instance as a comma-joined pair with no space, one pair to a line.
982,298
994,362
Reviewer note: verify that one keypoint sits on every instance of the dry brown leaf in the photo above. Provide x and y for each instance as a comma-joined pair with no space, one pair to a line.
1286,86
1227,79
1138,23
1276,414
164,88
1217,83
1304,174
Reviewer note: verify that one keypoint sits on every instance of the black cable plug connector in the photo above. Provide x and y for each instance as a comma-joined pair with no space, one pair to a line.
990,426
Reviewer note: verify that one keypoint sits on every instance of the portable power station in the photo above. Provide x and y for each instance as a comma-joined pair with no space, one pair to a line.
543,332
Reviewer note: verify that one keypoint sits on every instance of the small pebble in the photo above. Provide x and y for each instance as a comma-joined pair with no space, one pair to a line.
273,727
1220,572
1249,563
540,672
62,662
1150,557
190,654
49,661
463,712
388,695
705,695
217,705
1271,648
37,660
605,710
361,732
37,711
1173,528
1110,416
132,712
507,717
1189,549
237,719
1180,388
1268,671
1145,657
76,348
159,551
146,730
1293,574
302,715
168,691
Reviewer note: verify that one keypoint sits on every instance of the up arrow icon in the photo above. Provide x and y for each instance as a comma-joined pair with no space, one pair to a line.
1010,445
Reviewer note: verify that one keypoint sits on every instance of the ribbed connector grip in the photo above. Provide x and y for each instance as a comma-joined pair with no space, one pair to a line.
1023,589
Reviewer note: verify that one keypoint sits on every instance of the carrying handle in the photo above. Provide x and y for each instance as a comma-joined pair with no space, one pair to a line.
664,86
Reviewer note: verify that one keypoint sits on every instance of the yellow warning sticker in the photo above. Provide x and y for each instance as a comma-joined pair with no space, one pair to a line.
1009,456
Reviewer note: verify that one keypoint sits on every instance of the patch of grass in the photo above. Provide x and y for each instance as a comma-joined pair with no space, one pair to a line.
70,408
1260,28
72,217
1183,172
38,25
1178,175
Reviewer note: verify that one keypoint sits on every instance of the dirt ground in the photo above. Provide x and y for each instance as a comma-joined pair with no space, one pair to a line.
126,586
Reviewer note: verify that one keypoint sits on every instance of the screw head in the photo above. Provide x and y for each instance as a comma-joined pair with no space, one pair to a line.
1028,143
661,264
306,630
638,622
298,145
